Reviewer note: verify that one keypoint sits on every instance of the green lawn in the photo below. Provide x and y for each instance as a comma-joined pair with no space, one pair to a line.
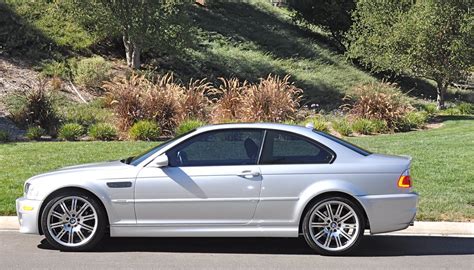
443,170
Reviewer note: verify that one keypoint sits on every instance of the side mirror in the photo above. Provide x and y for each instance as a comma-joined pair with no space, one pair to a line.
160,161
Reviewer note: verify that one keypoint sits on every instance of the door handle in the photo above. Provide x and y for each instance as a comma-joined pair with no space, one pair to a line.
249,174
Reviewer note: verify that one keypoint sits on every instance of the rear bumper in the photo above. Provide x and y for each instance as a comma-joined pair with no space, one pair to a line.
27,212
391,212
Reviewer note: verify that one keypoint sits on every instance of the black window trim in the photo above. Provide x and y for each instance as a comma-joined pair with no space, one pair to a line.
311,140
226,129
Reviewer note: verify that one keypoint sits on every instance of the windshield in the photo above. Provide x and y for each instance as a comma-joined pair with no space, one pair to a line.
138,159
344,143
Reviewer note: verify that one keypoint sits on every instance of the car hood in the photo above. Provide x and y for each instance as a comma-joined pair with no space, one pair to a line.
84,168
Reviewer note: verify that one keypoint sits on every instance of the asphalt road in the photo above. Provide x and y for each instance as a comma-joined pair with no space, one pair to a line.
18,251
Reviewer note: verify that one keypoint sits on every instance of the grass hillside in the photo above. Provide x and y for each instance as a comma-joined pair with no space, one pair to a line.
251,40
247,40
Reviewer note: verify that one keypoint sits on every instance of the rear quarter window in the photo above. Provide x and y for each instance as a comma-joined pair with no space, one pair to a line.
342,142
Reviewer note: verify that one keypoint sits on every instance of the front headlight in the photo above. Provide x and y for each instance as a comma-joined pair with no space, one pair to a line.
26,189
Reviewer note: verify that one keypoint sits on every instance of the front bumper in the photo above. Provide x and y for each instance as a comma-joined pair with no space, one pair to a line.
27,212
391,212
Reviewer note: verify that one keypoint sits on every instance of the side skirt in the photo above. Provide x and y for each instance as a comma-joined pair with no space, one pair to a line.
208,231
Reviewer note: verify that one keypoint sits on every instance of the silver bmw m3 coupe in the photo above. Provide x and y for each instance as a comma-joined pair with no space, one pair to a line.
230,180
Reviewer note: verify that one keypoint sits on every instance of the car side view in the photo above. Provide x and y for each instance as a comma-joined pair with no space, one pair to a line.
229,180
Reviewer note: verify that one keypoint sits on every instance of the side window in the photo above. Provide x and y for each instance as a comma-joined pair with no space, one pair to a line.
286,148
223,147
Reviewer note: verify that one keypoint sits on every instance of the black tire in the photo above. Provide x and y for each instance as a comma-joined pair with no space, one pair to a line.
95,237
309,238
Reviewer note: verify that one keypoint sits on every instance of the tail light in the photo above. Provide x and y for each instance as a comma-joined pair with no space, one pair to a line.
405,180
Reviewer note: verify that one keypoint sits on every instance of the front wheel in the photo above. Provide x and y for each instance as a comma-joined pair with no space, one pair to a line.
333,226
73,221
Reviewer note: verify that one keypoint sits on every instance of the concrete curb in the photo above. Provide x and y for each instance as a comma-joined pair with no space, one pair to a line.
420,228
9,223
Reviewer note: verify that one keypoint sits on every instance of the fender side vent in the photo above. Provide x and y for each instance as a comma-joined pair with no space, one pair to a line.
119,184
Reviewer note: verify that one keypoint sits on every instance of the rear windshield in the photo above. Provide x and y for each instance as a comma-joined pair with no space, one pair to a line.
345,143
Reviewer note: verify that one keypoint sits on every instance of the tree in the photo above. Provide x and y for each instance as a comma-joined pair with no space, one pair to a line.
430,39
331,15
143,24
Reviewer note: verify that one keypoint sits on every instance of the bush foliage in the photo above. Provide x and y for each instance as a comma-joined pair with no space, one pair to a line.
342,126
363,126
34,107
70,132
188,125
91,72
4,136
35,133
378,101
144,130
102,132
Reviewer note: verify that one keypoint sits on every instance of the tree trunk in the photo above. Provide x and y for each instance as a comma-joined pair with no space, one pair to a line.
132,52
441,89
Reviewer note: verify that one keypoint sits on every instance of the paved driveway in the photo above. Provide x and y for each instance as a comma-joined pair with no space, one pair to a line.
19,251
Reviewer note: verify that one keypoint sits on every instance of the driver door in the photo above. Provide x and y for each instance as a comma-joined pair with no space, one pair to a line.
212,178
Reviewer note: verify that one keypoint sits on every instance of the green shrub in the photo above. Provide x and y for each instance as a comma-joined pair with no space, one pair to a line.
466,108
103,132
84,114
91,72
411,121
363,126
58,69
430,108
34,107
379,126
144,130
451,111
4,136
342,127
70,131
318,123
188,125
35,133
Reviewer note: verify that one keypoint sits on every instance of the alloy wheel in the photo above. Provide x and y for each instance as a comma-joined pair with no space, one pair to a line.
72,221
334,225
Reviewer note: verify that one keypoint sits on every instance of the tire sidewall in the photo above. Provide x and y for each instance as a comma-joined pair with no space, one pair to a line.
306,229
101,221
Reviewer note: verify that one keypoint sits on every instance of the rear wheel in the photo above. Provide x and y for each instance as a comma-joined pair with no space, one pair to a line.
73,221
333,226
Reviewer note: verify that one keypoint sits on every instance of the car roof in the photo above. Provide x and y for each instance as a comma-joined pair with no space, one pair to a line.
278,126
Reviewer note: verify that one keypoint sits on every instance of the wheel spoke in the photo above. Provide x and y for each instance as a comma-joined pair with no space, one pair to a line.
73,205
81,235
338,241
57,215
320,215
318,224
82,209
329,210
86,227
61,233
70,239
57,225
64,208
328,240
346,217
339,210
88,217
343,233
319,235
